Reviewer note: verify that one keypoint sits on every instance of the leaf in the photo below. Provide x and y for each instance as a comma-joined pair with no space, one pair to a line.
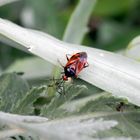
83,105
75,31
100,111
26,105
133,49
99,102
13,118
73,128
12,89
33,68
70,128
52,109
99,126
102,105
4,2
17,132
16,96
9,133
111,72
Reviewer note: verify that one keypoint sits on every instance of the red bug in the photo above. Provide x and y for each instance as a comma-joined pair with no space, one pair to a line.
75,64
73,67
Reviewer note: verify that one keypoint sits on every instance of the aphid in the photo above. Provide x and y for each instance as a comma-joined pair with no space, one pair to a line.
58,84
73,67
75,64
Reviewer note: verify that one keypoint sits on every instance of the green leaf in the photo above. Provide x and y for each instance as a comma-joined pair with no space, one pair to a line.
103,106
33,68
16,96
133,49
52,109
112,125
101,102
17,132
75,31
26,105
12,89
60,129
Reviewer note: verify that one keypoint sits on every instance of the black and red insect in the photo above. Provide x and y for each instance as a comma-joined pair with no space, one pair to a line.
76,63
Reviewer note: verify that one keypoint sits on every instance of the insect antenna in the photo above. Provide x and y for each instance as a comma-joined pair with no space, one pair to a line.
60,63
68,57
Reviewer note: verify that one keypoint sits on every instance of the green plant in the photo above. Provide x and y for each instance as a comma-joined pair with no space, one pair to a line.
85,112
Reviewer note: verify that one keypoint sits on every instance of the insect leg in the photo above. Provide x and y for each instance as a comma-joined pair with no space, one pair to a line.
59,86
63,88
59,91
86,65
54,82
67,57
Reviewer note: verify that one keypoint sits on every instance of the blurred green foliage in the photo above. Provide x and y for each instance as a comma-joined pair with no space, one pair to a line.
113,8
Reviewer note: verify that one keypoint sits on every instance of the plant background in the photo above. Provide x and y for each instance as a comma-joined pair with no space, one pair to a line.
111,26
